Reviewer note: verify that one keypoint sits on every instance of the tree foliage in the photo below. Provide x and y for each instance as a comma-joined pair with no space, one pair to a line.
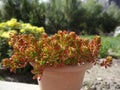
55,18
25,10
82,17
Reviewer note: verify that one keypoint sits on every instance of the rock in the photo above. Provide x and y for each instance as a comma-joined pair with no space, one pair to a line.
117,31
117,86
114,82
99,79
93,87
97,83
107,85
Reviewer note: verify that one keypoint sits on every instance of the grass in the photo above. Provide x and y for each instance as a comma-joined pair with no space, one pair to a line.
110,46
115,49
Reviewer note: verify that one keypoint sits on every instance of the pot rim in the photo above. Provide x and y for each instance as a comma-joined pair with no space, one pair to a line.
71,68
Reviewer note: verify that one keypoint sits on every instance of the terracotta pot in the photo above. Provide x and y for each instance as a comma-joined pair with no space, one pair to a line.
63,78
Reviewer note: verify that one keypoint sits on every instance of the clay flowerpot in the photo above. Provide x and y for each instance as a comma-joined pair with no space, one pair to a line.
63,78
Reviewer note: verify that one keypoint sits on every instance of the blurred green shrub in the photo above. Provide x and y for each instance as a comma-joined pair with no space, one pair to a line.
105,46
5,49
115,50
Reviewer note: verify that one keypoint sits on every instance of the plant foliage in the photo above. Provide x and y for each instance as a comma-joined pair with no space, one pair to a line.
61,49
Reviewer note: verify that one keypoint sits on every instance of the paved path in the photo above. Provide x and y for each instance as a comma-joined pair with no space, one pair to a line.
17,86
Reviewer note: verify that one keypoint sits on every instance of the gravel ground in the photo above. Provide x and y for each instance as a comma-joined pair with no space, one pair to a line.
99,78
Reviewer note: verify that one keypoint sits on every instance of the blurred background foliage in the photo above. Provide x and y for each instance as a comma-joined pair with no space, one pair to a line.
81,17
86,18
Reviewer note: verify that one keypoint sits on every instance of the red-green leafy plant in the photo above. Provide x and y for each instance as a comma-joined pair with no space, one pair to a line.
61,49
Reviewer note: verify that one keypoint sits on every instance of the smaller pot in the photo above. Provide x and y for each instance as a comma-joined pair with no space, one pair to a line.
63,78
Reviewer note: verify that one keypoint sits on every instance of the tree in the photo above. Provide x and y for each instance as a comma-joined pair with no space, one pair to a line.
55,18
30,11
10,8
114,11
93,13
64,14
37,14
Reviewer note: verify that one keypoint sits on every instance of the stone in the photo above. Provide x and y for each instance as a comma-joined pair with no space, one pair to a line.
99,79
93,87
117,86
117,31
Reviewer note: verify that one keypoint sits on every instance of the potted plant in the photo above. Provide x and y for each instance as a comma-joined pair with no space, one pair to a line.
59,61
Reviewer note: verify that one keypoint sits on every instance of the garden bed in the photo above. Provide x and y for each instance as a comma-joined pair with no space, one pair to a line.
23,77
